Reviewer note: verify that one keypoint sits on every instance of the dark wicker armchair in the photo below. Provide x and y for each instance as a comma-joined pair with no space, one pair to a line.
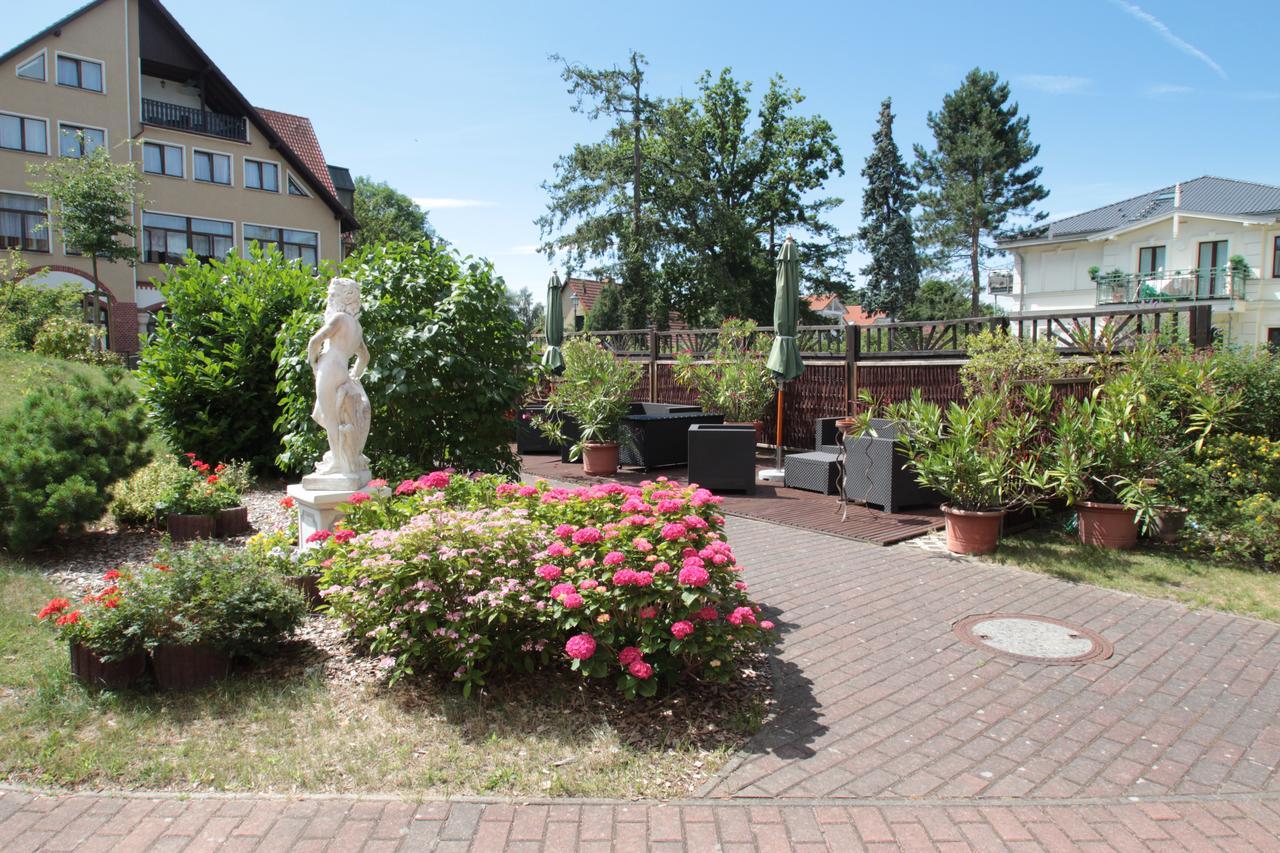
875,471
722,457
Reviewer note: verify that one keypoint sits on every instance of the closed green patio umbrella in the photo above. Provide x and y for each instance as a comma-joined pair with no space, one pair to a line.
553,326
784,355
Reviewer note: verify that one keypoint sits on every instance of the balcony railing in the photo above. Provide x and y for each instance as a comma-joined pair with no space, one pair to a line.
1189,285
194,120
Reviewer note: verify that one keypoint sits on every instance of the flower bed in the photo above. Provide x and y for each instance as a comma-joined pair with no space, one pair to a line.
476,576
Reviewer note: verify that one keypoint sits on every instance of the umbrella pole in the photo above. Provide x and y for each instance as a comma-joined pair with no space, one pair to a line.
777,472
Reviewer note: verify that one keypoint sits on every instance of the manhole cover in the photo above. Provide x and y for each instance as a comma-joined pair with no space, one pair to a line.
1039,639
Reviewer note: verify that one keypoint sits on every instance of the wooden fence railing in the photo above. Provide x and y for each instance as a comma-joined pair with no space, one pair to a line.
891,360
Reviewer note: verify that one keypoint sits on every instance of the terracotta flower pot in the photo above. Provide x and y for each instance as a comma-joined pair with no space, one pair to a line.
1107,525
1169,523
231,522
183,528
108,675
184,667
757,425
309,586
600,460
972,531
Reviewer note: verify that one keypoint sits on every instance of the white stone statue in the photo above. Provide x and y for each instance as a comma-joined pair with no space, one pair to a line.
342,407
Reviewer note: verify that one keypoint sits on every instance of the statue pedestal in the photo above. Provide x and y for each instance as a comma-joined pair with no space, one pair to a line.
317,509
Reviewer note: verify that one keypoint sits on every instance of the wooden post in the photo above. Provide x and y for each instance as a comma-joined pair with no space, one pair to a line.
852,348
653,364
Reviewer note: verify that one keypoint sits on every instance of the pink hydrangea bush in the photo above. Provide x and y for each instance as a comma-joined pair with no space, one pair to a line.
472,576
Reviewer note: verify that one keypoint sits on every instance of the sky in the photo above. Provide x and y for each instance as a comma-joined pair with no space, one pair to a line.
458,106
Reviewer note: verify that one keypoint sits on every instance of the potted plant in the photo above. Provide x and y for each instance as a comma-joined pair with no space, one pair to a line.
732,378
983,457
206,604
594,391
206,502
276,552
103,635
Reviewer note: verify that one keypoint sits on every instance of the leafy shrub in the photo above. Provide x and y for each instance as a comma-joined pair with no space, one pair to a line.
74,340
996,359
26,308
449,362
63,448
1255,373
209,372
136,501
473,577
203,489
733,377
1254,534
107,622
214,594
594,391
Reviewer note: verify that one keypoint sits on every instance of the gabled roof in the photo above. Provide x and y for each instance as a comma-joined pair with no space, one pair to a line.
298,133
316,177
821,302
1203,195
855,316
588,290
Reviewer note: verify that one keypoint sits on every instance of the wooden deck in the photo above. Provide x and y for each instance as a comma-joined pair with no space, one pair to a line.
777,504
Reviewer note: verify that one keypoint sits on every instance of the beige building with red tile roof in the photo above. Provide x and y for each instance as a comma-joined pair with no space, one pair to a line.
220,173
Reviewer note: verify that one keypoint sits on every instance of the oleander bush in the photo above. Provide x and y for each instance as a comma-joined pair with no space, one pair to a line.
473,577
64,447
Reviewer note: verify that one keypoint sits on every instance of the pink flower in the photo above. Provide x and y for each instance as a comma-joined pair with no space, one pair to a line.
694,576
588,583
670,506
572,601
319,536
376,483
643,579
562,589
640,670
358,497
624,577
648,612
505,489
614,558
642,545
767,625
694,563
628,655
707,614
682,629
548,572
526,491
580,646
671,531
344,536
587,536
406,487
564,531
661,568
741,616
694,522
435,480
558,549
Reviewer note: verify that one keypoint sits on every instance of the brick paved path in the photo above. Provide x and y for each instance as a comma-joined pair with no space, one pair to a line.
891,733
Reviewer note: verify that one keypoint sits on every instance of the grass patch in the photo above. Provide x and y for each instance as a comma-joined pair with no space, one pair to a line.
286,728
1152,570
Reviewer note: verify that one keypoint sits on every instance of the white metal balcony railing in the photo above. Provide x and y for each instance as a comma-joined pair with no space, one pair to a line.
1188,285
191,119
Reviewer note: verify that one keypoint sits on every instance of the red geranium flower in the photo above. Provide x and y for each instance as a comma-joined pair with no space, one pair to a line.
68,618
162,567
111,575
55,605
287,502
211,479
219,468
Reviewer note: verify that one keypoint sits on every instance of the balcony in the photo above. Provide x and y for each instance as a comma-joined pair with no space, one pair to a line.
1201,284
193,120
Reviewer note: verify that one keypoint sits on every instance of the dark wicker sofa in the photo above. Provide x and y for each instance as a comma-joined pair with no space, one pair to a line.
654,435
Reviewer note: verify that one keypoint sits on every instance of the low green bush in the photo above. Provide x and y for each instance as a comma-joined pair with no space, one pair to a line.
64,447
209,372
136,500
449,364
74,340
26,308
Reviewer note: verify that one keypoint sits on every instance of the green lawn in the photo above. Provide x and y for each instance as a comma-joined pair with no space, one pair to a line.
26,370
1151,570
290,730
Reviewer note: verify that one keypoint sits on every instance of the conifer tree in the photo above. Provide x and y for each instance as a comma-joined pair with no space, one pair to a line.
893,273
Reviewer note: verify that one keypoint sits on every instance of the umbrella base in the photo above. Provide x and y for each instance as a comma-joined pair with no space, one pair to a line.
771,474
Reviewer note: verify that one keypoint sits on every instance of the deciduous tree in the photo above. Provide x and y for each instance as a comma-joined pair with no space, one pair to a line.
388,215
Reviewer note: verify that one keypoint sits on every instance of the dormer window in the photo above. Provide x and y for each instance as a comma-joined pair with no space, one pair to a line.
79,73
33,68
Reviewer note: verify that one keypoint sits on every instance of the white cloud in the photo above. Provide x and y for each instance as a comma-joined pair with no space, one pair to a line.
1167,34
1055,84
1161,89
523,249
443,203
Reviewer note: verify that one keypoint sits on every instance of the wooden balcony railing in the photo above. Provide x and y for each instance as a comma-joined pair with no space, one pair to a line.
193,120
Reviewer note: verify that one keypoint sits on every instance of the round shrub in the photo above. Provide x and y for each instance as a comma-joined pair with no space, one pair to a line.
209,372
449,362
63,448
470,577
136,501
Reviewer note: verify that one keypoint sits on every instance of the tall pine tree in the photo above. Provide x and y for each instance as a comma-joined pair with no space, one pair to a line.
978,175
893,273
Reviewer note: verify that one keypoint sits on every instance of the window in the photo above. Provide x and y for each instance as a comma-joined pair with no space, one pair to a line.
24,134
292,244
1273,339
166,238
79,73
1275,258
24,222
295,188
1151,259
211,167
76,141
33,68
161,159
261,176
